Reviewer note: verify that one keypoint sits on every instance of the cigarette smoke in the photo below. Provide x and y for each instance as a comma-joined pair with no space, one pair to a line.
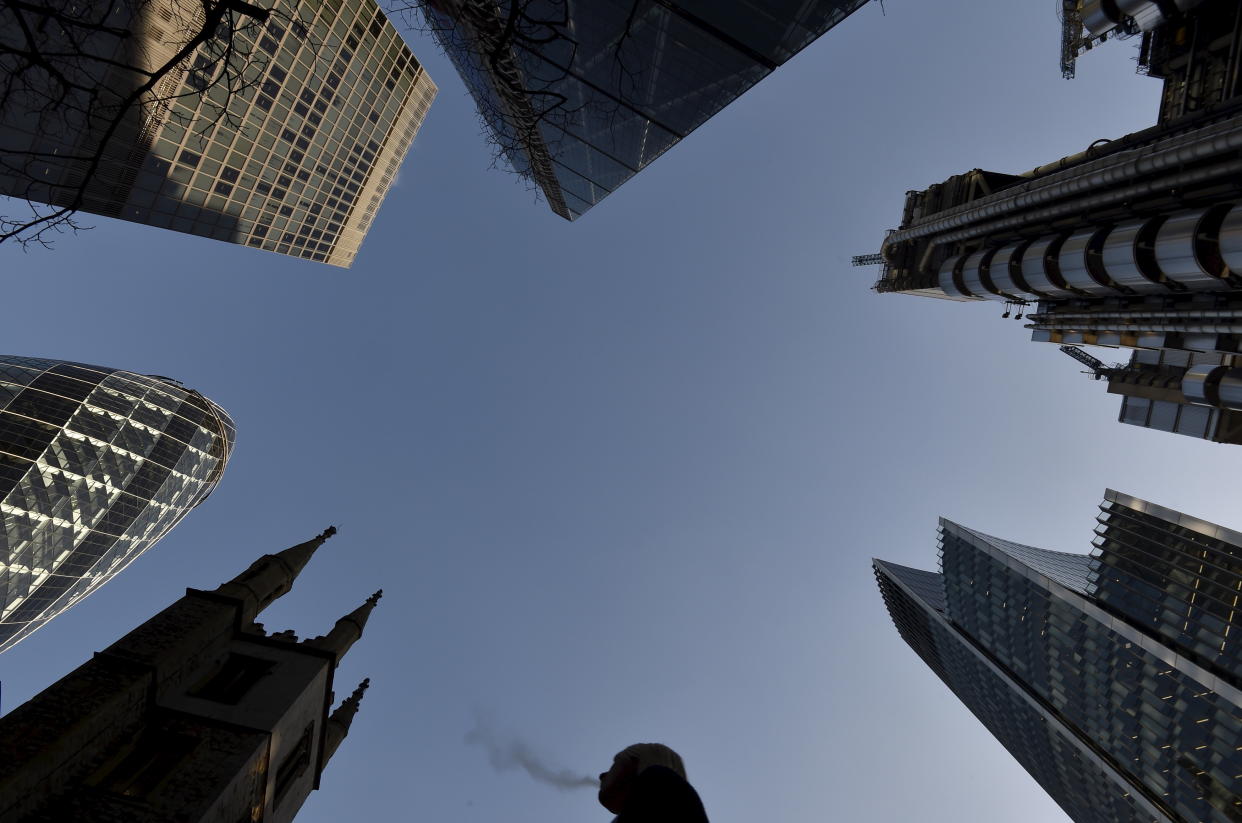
509,753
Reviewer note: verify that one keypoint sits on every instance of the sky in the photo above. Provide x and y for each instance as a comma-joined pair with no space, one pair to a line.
621,480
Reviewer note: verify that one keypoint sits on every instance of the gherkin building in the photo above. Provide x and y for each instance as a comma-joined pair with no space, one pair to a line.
96,464
1115,677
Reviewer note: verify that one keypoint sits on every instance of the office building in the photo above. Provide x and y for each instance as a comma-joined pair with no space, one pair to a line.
292,152
1134,243
197,715
1114,678
96,465
580,95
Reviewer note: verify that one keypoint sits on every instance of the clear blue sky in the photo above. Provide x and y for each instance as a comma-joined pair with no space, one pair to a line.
622,479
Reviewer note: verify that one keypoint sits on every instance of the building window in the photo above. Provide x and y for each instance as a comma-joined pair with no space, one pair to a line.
230,682
295,764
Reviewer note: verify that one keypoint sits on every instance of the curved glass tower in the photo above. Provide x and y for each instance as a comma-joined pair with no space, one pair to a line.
96,464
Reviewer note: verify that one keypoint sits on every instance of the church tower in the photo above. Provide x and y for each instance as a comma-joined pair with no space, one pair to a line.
197,715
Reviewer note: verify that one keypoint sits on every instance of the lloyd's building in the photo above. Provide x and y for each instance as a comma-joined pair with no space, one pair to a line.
1134,243
1114,678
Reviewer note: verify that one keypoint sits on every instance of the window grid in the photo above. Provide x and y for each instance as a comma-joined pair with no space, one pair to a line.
323,130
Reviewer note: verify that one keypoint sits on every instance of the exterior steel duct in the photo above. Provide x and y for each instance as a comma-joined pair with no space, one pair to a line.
1153,255
1229,389
1142,328
1128,258
1105,198
986,274
1230,240
1199,383
1211,384
1100,16
1176,251
1040,268
1127,167
1146,13
1005,272
950,274
973,275
1143,315
1080,266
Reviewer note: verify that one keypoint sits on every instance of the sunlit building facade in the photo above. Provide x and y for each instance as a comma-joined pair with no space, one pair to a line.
290,144
1114,678
580,95
96,465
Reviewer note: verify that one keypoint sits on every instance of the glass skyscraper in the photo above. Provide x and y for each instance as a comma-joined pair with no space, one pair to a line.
96,464
1114,678
295,158
580,95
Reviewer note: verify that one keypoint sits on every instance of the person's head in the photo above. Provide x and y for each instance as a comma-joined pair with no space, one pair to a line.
616,784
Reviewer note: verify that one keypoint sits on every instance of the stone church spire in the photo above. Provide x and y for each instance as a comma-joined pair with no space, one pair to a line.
271,576
347,630
338,723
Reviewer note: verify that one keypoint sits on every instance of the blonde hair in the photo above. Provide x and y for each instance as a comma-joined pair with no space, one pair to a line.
655,754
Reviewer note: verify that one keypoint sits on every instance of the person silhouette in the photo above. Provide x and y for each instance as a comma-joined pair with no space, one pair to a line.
647,784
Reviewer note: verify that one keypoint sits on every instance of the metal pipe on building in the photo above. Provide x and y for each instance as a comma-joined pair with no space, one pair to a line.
1229,240
1229,389
1139,316
1177,251
1100,16
1213,384
1100,200
1076,264
1105,147
1199,383
1184,328
1193,250
1129,258
1157,147
1146,13
1005,271
1172,152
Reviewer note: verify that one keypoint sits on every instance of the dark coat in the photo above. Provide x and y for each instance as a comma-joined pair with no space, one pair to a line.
661,795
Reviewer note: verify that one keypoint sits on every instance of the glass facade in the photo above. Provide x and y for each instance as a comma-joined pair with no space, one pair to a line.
96,465
1111,677
296,159
581,95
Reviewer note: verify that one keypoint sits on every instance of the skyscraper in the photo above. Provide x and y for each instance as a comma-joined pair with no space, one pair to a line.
1115,679
580,95
196,715
1135,242
96,465
283,133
